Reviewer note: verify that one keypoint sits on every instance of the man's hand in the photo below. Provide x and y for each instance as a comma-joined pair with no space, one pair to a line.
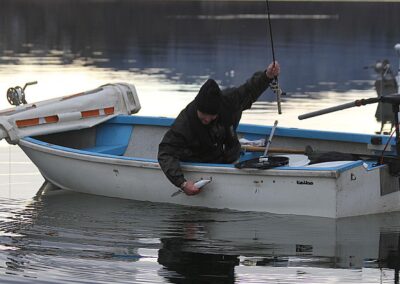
273,70
189,188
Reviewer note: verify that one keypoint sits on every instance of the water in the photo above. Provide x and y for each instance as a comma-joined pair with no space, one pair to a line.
168,49
75,238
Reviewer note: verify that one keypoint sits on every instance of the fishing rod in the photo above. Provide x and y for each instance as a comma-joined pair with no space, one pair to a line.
274,85
356,103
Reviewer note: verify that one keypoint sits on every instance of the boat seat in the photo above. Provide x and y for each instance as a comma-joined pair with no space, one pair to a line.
107,149
144,141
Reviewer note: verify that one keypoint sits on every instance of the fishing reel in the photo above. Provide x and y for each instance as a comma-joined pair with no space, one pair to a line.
274,85
16,95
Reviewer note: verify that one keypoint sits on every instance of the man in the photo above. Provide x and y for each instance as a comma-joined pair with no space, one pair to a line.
205,131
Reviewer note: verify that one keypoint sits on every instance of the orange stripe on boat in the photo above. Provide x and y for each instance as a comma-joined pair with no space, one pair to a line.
109,110
51,119
27,122
90,113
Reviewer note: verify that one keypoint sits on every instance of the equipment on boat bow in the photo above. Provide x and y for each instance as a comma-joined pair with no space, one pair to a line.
16,95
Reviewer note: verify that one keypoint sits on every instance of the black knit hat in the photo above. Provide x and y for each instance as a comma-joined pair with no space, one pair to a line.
208,99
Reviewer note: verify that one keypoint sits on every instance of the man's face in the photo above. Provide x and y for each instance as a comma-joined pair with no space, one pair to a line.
206,118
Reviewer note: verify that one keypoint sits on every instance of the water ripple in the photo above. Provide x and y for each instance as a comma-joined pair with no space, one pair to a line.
76,238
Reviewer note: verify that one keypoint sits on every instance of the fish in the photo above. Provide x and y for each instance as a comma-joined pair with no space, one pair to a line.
199,184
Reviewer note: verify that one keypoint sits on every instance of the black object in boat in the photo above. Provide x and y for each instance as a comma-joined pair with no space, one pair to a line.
256,163
321,157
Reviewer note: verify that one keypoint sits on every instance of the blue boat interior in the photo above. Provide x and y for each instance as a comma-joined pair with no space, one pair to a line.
114,138
111,139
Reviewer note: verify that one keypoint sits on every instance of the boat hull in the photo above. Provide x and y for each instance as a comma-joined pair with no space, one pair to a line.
356,191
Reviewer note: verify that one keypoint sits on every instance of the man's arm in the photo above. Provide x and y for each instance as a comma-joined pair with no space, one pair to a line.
169,158
245,95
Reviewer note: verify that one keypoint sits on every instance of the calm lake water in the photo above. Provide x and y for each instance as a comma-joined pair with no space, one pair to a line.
168,49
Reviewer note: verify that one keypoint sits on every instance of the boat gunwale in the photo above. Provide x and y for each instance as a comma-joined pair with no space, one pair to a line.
332,172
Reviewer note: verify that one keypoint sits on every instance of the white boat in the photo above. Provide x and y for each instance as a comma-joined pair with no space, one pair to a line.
101,149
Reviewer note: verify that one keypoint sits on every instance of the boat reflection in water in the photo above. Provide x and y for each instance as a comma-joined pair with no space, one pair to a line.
195,266
63,233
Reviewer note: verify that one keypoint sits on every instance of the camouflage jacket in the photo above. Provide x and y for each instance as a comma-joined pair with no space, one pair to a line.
188,140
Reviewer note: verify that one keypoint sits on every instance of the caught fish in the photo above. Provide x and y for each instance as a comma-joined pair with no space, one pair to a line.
199,184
